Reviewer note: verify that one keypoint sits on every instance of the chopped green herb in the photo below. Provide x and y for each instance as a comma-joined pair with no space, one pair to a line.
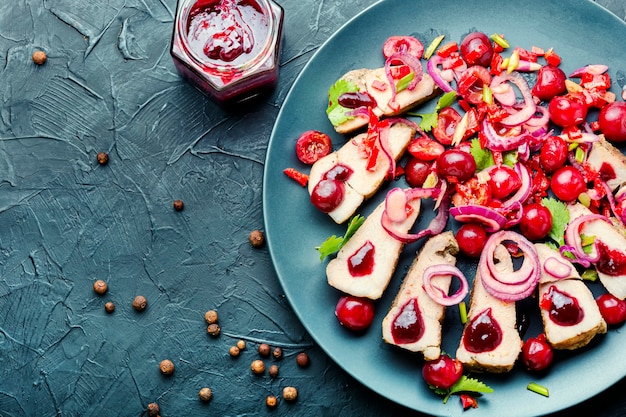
334,243
580,155
433,46
589,275
499,40
337,114
483,157
404,82
463,312
539,389
465,384
509,158
429,120
560,219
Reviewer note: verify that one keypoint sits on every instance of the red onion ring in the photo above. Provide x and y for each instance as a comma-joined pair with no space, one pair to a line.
572,236
509,286
524,191
493,220
432,66
529,108
439,295
595,69
557,267
436,225
496,142
413,63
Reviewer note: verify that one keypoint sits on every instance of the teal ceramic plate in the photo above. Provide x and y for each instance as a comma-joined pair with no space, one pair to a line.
582,33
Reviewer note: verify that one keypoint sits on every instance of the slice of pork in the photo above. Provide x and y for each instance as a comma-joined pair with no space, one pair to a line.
412,306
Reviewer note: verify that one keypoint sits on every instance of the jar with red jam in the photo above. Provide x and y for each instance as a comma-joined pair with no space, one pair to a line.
228,49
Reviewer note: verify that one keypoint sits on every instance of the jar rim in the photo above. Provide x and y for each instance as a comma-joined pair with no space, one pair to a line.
249,65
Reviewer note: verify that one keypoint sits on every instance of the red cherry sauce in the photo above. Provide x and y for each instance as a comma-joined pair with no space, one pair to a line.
612,262
483,333
361,262
607,172
407,326
226,30
563,309
354,100
339,172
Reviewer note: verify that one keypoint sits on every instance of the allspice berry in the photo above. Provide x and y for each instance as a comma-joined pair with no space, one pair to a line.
140,303
278,353
153,409
213,329
103,158
211,316
257,239
290,393
241,344
271,401
234,351
167,367
100,287
264,350
39,57
273,371
179,205
205,394
302,360
109,307
258,367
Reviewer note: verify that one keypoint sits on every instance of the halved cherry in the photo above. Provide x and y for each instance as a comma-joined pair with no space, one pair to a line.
312,145
471,82
405,44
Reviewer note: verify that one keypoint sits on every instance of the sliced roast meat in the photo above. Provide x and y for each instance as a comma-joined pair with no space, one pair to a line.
414,319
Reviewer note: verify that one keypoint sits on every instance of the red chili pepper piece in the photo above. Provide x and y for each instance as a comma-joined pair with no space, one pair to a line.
468,401
297,176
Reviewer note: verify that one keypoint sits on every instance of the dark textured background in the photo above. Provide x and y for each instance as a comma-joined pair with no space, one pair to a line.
65,221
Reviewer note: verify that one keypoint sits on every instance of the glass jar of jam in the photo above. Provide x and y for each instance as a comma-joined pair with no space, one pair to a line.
228,49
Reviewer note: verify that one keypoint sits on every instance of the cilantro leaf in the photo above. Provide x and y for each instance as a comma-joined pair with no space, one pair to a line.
429,120
560,219
334,243
337,113
483,157
467,384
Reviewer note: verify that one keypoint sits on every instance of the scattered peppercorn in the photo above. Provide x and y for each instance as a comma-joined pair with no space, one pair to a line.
264,350
258,367
179,205
167,367
241,344
271,401
205,394
290,393
109,307
153,409
278,353
302,360
103,158
273,371
211,316
39,57
257,239
234,351
140,303
214,329
100,287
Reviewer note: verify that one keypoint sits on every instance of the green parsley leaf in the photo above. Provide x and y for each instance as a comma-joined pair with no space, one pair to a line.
483,157
467,384
337,113
429,120
509,158
404,82
334,243
560,219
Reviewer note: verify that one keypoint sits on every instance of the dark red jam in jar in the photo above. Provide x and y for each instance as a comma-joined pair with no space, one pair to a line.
229,49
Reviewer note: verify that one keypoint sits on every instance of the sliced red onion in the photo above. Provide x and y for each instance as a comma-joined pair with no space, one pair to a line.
503,92
539,119
595,69
395,205
493,220
413,63
436,225
439,295
524,191
557,267
496,142
572,236
432,66
585,137
611,198
567,249
529,108
509,286
515,207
